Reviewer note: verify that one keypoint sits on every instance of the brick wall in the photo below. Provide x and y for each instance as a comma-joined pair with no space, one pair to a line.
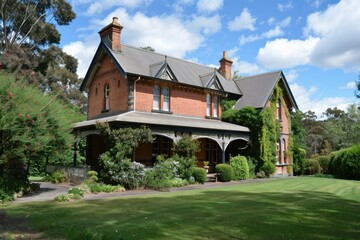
107,73
183,100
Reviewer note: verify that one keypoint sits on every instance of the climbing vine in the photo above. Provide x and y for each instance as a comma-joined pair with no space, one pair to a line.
265,129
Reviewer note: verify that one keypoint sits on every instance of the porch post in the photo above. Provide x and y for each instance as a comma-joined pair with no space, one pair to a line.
223,152
75,154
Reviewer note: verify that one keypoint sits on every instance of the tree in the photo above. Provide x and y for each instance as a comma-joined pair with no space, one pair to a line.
28,36
30,25
33,129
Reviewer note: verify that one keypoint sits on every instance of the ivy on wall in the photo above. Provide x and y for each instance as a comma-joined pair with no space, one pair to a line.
265,129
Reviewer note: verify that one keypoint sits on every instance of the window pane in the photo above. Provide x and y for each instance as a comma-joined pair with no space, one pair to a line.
106,97
166,95
156,100
216,106
208,104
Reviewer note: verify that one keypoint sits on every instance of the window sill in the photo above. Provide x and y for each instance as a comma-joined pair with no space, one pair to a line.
161,111
210,117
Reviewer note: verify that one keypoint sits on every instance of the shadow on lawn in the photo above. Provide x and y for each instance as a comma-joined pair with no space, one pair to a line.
208,215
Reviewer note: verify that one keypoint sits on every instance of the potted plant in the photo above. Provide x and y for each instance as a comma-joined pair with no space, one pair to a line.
206,166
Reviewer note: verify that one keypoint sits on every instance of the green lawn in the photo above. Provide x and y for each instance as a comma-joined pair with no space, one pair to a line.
294,208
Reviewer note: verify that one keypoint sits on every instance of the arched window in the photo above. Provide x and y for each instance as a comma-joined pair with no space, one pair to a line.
166,99
106,97
283,151
208,105
156,99
216,106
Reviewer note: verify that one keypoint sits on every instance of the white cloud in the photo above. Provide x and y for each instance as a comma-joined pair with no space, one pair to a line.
97,6
179,5
207,25
285,23
275,32
291,75
305,100
84,52
141,30
248,39
339,30
283,7
271,21
209,6
349,85
284,53
242,22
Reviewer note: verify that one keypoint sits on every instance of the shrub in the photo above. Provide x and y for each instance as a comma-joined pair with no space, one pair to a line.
92,176
77,191
184,166
63,198
299,160
199,175
240,167
252,167
346,163
186,147
101,187
56,177
312,167
226,172
268,168
160,177
152,182
178,182
324,164
261,174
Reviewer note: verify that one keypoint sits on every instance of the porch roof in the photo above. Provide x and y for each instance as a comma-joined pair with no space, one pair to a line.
165,120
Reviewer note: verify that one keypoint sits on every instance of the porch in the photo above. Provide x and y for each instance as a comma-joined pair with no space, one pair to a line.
218,140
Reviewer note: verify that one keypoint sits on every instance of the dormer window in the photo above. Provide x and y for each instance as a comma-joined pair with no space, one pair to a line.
107,97
208,105
156,98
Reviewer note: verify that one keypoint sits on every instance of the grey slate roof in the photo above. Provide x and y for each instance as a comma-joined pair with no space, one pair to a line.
166,120
257,89
146,63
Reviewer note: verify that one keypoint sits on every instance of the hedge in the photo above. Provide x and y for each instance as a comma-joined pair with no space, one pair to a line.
346,163
240,167
199,175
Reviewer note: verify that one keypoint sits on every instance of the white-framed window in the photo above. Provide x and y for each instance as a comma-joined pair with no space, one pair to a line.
106,97
216,106
156,97
166,99
208,105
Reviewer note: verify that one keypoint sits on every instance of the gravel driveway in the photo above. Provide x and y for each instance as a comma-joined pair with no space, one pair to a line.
47,192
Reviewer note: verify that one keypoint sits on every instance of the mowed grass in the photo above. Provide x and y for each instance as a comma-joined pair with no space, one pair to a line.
294,208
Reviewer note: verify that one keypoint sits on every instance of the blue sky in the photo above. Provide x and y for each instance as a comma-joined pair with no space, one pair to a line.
315,42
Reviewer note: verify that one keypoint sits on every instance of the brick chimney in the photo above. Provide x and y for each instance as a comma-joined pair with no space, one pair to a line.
111,34
225,66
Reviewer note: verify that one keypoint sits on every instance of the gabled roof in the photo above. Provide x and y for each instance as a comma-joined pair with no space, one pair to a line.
132,60
258,89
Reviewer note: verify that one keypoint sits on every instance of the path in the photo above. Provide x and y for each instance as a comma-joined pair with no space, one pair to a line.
49,191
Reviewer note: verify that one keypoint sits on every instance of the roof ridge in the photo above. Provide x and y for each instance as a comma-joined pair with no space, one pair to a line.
257,75
163,54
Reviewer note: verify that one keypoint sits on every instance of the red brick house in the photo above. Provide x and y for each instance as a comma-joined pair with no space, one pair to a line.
130,87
